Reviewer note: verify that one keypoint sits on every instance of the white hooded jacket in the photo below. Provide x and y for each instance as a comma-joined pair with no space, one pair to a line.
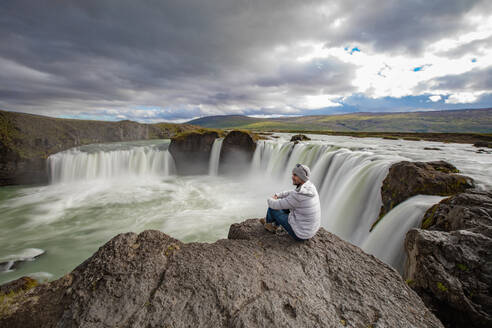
304,206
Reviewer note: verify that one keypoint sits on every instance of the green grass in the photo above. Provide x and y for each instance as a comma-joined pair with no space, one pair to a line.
441,287
451,121
12,297
184,134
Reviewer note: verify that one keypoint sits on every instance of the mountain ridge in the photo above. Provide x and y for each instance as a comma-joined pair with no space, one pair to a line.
443,121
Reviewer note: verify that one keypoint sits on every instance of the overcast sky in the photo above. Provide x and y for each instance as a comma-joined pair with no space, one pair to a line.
176,60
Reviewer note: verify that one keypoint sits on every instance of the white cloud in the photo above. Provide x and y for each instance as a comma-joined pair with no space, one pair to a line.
311,102
462,98
263,58
271,115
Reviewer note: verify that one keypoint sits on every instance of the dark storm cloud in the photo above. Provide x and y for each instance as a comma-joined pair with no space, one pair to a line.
474,80
191,58
331,74
403,26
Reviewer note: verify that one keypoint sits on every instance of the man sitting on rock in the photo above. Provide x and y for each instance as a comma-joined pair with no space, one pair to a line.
298,211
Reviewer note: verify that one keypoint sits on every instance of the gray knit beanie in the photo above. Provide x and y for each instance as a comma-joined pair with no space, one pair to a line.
302,171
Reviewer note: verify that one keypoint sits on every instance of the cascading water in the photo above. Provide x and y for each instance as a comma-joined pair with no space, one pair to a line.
386,240
101,190
213,167
93,162
349,185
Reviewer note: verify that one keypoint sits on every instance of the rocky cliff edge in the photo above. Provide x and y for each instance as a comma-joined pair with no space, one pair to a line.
251,279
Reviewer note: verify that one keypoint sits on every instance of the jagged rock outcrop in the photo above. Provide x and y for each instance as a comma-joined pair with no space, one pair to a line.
406,179
299,137
237,151
450,264
251,279
27,140
191,151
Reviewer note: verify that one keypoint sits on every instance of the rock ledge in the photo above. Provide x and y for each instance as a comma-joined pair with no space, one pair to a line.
251,279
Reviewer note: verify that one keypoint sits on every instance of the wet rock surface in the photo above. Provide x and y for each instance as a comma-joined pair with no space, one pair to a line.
237,152
251,279
191,151
406,179
483,144
450,263
299,137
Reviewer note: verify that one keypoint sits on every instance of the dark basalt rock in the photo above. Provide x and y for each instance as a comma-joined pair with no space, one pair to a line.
237,152
299,137
252,279
483,144
191,151
406,179
450,264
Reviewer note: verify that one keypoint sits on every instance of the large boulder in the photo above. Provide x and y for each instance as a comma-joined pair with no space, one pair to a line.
406,179
191,151
450,264
251,279
237,152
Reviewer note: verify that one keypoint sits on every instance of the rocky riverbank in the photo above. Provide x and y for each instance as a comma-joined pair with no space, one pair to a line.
251,279
449,258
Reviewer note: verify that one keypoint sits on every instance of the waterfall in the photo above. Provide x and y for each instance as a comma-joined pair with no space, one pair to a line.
88,164
349,184
386,241
213,167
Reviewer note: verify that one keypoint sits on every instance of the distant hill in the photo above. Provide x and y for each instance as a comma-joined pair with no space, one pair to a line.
454,121
225,121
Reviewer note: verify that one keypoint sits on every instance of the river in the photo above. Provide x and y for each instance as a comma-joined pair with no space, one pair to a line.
98,191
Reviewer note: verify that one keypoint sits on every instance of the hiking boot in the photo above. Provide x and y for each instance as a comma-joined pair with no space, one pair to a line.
270,227
262,221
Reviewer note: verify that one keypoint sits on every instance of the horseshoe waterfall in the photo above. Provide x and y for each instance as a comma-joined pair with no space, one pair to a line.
97,191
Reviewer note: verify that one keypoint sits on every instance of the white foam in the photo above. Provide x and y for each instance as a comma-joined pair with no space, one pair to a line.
28,254
41,277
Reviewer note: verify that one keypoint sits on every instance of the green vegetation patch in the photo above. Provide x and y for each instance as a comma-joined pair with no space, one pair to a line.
441,287
12,297
447,121
201,131
429,219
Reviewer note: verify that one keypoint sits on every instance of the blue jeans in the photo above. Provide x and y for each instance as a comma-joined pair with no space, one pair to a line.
280,217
